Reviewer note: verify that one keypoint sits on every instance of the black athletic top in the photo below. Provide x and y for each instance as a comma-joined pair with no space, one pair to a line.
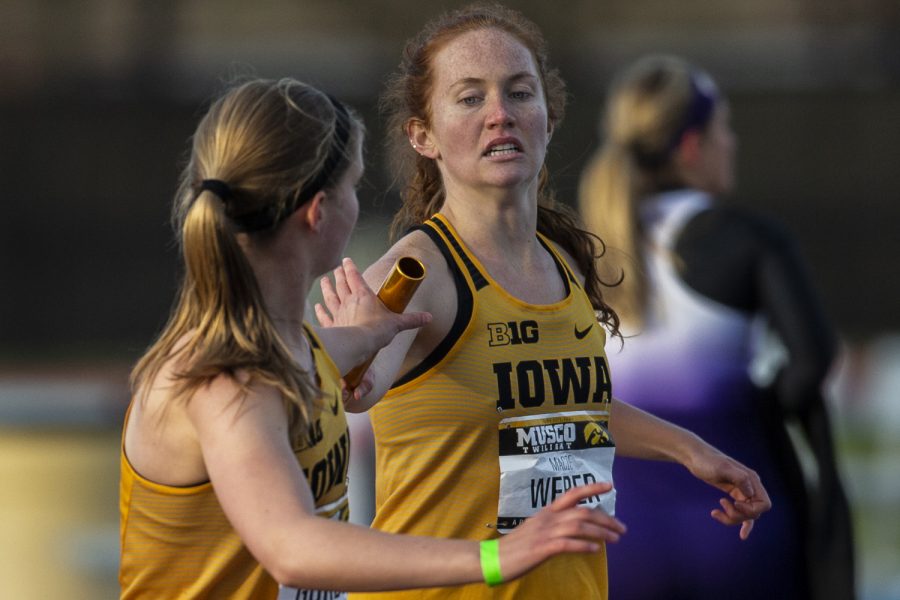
750,263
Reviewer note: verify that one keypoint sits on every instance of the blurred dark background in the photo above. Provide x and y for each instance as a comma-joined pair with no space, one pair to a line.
99,97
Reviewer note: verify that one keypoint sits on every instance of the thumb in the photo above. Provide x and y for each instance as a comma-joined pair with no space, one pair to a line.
412,320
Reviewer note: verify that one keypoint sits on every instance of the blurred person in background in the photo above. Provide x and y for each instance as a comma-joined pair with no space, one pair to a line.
235,447
503,399
703,286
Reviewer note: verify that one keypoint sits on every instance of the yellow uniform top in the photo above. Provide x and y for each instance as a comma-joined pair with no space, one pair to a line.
509,379
176,542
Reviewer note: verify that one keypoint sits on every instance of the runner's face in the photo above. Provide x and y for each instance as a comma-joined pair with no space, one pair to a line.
488,113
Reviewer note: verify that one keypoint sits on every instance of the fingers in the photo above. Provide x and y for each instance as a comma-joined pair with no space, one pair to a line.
738,513
365,386
323,316
578,523
352,275
746,525
746,528
562,527
570,545
727,515
340,282
596,524
577,494
329,295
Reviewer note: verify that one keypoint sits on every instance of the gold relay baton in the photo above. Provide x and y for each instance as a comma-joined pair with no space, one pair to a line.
395,293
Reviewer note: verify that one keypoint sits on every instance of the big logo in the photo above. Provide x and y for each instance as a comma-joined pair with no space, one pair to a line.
512,333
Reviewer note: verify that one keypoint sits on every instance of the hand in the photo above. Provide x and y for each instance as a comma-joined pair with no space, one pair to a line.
560,528
748,498
350,302
357,393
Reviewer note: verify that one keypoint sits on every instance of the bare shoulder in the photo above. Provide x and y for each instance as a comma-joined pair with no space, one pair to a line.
415,245
436,294
419,246
229,397
161,437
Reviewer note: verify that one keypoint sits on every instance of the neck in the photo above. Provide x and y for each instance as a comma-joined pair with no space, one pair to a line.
502,234
285,301
284,283
494,217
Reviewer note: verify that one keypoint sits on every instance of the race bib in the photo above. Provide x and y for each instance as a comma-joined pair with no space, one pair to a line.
542,456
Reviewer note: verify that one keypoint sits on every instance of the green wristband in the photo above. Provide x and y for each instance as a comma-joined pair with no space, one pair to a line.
490,562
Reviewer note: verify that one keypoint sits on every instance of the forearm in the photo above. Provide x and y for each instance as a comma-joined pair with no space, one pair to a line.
331,555
639,434
348,346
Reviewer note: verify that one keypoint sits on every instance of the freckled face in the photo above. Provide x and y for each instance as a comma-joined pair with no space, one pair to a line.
488,114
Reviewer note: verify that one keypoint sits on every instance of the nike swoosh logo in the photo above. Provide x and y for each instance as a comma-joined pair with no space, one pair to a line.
334,406
580,334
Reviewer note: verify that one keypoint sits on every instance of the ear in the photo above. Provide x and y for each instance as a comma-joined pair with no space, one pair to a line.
420,139
312,213
689,148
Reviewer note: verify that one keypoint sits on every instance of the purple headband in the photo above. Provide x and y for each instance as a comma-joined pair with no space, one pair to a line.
704,96
703,100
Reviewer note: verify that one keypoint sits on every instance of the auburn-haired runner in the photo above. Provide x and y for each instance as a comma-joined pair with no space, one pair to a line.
503,400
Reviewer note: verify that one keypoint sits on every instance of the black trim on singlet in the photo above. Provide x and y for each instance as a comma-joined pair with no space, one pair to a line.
465,306
311,337
477,278
564,272
314,344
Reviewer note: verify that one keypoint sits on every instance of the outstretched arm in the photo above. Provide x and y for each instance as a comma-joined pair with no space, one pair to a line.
273,511
641,435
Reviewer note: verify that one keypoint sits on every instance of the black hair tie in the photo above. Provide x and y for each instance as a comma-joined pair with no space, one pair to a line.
268,217
217,187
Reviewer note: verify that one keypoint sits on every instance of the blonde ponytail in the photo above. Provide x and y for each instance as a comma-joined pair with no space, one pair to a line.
262,144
